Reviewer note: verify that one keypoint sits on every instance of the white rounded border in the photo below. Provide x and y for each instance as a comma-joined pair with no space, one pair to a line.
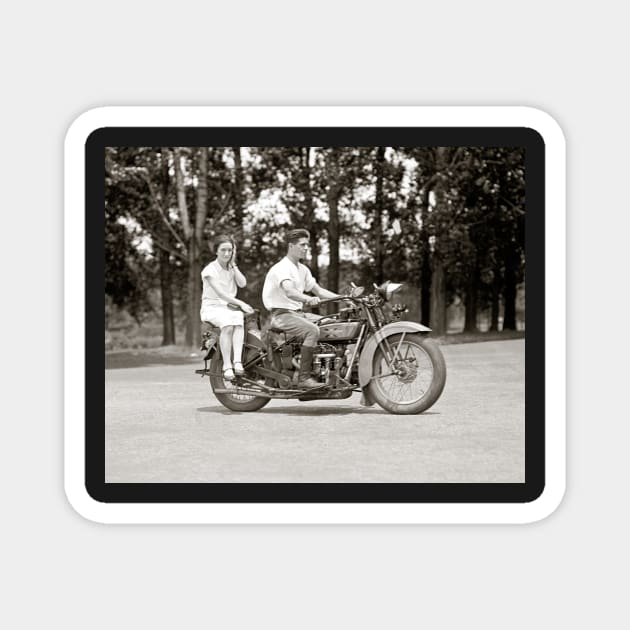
308,513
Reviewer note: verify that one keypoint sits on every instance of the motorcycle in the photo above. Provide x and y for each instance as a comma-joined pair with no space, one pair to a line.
364,347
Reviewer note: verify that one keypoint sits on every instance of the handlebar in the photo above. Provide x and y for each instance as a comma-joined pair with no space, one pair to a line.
336,299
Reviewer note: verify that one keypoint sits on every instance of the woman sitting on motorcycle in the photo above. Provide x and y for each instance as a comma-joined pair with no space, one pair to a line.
220,281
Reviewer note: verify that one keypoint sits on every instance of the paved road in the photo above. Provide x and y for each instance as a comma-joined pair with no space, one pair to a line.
164,425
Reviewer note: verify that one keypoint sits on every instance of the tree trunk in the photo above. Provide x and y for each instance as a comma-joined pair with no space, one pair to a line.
333,240
509,293
188,230
309,211
438,299
425,260
193,327
332,197
377,224
238,195
194,248
425,285
438,280
166,275
192,227
470,322
166,290
496,289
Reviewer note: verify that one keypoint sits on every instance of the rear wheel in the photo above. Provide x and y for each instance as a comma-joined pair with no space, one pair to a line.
414,380
234,401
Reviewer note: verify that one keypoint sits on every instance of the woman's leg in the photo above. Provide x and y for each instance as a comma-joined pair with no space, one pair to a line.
225,342
237,343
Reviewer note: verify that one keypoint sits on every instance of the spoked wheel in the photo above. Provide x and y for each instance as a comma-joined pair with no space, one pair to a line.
413,380
235,401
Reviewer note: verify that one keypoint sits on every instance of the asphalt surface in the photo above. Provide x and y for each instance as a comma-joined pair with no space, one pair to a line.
163,424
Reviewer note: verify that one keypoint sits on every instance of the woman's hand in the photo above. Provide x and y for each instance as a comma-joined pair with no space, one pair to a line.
246,308
232,262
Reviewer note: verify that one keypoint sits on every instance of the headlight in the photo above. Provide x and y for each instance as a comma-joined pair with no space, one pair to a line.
387,289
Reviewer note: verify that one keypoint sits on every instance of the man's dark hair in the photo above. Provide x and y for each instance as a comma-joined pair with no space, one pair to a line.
295,235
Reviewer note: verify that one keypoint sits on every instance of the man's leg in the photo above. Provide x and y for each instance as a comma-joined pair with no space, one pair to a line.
305,378
297,325
309,345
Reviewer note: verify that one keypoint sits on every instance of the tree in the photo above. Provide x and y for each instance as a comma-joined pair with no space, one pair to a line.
495,196
340,168
238,195
132,197
309,221
294,178
193,230
460,210
377,223
127,275
141,187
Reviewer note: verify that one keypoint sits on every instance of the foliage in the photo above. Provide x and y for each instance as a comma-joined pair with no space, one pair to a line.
374,212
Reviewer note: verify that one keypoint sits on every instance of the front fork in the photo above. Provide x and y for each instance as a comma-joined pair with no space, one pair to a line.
391,354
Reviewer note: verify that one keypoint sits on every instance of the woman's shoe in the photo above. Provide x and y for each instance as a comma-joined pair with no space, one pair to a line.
238,368
228,374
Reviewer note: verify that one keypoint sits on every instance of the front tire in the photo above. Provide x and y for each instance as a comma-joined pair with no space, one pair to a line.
235,402
417,379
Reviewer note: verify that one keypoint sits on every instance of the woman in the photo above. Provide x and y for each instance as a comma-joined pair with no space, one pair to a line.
220,281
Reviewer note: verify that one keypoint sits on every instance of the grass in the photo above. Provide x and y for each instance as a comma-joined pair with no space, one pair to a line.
150,338
464,337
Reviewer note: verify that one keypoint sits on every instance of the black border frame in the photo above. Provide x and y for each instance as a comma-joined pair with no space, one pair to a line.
232,492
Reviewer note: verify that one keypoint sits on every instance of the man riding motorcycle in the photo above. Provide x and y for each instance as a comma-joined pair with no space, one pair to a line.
284,294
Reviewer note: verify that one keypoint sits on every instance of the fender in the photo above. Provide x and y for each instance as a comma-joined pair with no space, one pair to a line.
213,344
367,355
252,338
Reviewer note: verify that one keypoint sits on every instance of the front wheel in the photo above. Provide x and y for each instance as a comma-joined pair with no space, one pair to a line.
235,401
408,373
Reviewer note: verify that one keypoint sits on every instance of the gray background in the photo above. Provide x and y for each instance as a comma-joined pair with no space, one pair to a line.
62,58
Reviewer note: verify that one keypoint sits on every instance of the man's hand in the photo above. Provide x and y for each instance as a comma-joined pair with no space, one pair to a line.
313,301
246,308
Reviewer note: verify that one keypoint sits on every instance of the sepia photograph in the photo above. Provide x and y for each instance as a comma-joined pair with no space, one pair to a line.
315,314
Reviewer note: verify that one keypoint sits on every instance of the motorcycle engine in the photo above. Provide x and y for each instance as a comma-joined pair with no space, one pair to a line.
328,357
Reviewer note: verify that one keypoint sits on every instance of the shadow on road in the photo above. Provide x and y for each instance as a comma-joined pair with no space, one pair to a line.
121,360
296,410
289,411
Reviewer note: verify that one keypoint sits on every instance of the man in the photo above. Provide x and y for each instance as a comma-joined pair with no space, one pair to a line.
284,294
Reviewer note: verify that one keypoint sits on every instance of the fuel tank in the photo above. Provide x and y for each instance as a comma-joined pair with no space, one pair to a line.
339,331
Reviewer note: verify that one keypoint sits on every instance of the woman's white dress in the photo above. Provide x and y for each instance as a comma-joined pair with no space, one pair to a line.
214,310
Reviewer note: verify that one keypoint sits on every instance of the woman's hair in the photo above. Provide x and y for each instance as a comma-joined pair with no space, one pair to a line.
222,238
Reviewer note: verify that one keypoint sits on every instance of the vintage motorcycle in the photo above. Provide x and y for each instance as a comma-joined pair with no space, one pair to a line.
364,347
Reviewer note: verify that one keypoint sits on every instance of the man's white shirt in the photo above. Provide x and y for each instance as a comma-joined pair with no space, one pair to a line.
274,296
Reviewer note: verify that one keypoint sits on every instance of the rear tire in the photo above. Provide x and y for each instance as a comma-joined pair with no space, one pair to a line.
417,391
235,402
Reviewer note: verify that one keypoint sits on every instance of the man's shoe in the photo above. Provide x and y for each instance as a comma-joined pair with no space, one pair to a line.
305,380
308,383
